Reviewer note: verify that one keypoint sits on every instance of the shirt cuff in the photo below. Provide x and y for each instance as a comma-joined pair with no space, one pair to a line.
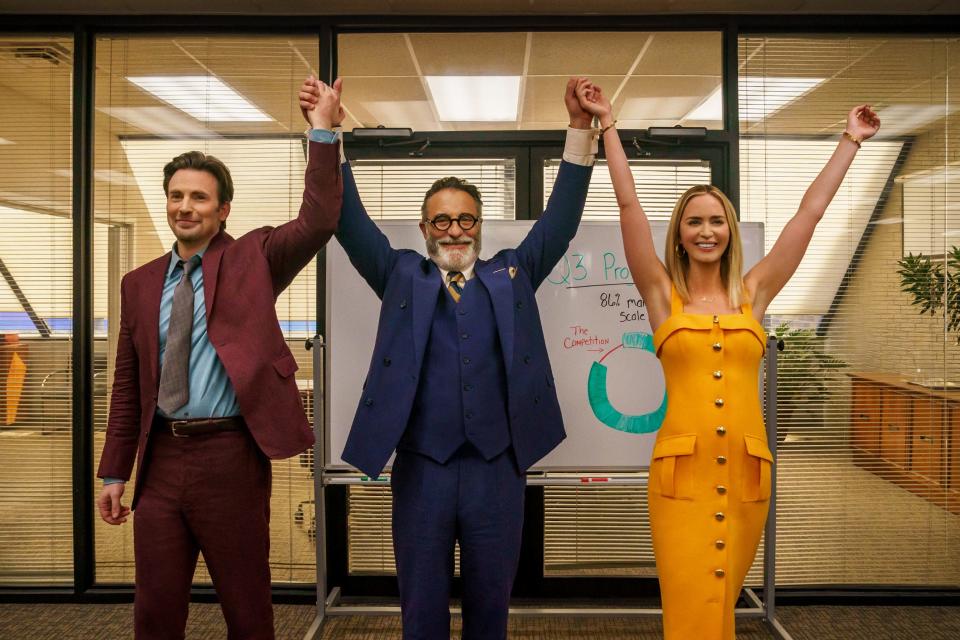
326,136
107,481
581,146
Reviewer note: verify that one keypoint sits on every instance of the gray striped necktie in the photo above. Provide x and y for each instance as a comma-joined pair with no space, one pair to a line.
175,372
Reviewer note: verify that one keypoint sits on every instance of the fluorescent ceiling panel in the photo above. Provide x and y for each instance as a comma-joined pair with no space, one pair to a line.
106,175
5,141
475,98
709,109
763,96
203,97
415,114
667,108
908,119
160,121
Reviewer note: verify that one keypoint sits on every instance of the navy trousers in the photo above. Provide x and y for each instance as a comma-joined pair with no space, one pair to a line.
469,500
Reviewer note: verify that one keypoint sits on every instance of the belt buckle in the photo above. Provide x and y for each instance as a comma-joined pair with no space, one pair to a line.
173,428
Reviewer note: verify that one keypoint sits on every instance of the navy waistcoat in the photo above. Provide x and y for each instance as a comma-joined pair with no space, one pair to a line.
462,395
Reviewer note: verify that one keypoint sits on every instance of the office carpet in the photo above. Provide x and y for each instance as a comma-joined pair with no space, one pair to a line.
113,622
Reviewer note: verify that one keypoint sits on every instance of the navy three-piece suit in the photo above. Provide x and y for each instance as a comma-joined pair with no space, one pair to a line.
463,391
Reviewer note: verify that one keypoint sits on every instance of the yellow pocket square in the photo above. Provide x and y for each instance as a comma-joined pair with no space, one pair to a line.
512,271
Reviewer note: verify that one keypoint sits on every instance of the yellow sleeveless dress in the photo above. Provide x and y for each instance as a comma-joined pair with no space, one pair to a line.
709,486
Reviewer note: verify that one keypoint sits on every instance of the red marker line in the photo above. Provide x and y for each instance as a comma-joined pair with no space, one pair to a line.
619,346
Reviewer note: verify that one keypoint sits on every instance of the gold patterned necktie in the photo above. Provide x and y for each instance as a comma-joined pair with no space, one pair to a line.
175,373
455,281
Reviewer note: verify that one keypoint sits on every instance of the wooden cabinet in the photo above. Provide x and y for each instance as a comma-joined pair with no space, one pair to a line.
865,416
926,437
953,449
907,434
895,427
952,462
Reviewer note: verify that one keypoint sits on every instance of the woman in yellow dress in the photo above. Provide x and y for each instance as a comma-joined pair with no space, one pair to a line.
710,474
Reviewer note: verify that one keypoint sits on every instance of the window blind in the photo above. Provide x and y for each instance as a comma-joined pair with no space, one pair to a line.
36,291
866,470
254,125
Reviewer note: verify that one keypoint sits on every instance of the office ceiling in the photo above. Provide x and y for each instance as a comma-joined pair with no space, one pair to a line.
655,79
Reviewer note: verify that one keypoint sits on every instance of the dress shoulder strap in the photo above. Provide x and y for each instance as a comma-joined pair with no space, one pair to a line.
746,308
676,302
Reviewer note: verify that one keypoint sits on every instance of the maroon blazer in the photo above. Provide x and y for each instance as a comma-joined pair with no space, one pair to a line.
241,281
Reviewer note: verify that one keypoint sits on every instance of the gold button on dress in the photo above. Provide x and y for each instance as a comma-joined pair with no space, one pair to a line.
708,495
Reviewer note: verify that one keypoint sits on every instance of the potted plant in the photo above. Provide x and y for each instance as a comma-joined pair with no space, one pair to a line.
934,285
806,377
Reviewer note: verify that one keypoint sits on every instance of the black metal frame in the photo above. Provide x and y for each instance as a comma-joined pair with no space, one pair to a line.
85,29
82,346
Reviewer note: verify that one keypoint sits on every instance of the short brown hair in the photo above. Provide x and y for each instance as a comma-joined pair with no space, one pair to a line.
200,161
451,182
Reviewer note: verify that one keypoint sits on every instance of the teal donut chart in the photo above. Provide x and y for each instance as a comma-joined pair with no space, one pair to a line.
600,403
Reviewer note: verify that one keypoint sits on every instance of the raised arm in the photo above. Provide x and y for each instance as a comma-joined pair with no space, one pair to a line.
367,247
769,276
290,246
649,274
549,238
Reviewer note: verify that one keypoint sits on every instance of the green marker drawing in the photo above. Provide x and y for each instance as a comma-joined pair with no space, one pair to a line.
600,402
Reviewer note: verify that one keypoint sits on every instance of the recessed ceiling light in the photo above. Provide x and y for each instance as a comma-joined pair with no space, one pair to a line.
910,119
203,97
762,96
475,98
415,114
711,109
161,121
5,141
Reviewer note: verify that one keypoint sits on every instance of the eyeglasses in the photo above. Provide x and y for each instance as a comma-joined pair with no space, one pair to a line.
465,221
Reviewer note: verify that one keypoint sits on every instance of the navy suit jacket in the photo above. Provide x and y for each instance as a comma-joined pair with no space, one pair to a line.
409,284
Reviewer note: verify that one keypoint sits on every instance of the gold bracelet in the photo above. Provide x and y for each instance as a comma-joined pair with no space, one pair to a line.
854,139
609,126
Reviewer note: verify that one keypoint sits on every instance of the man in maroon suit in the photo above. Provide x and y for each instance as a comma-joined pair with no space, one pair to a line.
204,393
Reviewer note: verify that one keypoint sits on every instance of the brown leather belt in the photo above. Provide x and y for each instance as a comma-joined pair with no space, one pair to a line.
200,426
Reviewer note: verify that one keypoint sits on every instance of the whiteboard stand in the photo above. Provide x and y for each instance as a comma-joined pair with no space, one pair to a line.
319,495
328,603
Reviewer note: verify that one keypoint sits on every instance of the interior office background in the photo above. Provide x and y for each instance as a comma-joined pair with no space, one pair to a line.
869,468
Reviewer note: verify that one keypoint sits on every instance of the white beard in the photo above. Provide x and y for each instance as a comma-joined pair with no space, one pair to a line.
453,259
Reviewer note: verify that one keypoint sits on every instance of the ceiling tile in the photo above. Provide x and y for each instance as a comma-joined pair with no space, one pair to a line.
691,53
584,54
374,54
464,54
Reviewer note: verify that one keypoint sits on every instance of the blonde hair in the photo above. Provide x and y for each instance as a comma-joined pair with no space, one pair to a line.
731,262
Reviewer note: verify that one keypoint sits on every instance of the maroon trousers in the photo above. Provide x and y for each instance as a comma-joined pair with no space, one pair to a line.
205,494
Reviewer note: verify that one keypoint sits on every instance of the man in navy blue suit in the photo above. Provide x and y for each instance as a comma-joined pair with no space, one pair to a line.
460,386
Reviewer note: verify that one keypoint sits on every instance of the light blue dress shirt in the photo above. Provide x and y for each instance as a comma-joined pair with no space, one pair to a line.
211,392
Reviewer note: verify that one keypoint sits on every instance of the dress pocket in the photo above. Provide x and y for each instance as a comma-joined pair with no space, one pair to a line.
671,470
757,468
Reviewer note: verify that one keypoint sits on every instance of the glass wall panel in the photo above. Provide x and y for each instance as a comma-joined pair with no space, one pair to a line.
235,98
36,248
868,422
509,81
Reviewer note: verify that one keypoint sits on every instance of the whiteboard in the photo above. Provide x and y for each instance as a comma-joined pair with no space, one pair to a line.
608,380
